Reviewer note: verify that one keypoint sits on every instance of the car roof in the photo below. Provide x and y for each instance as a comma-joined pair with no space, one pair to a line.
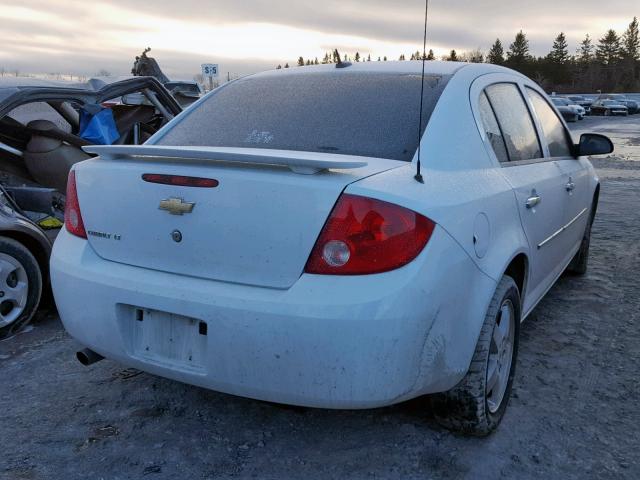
432,67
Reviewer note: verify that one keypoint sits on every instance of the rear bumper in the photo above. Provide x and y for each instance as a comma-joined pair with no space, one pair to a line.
332,342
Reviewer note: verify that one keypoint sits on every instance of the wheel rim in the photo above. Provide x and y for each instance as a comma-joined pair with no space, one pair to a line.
500,356
14,288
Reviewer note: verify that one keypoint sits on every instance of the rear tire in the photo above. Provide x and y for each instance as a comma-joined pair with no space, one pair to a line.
477,404
580,261
20,286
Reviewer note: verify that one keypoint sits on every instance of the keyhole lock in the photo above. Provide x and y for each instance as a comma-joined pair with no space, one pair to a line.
176,235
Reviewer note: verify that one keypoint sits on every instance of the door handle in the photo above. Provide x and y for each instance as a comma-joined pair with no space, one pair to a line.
533,200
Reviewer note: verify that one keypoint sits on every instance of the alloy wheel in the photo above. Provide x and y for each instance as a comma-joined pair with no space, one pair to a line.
14,289
500,356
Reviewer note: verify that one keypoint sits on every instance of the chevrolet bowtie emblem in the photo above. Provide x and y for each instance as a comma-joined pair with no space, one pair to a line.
176,206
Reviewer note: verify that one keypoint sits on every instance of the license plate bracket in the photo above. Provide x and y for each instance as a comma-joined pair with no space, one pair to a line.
168,339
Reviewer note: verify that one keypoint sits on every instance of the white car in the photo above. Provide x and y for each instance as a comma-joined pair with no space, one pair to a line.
275,242
577,110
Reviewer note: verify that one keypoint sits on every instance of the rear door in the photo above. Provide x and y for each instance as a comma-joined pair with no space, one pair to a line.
557,141
537,181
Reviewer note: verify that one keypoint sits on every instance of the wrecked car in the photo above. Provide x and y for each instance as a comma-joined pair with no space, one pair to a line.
43,127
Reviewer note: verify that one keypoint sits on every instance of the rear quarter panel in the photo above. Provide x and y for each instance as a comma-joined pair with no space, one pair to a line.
465,191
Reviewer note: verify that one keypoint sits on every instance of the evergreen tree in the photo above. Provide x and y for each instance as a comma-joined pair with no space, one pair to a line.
357,57
286,65
385,58
609,49
300,61
556,65
431,55
279,67
560,51
453,56
316,62
519,50
496,53
369,58
401,57
585,51
631,41
518,56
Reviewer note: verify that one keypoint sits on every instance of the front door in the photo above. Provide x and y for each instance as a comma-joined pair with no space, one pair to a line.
536,180
557,141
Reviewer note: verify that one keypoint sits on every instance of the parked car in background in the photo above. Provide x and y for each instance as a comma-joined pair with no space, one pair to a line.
582,101
632,105
577,110
568,113
295,258
609,107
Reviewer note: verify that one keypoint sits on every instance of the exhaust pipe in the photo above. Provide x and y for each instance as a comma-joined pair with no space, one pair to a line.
88,357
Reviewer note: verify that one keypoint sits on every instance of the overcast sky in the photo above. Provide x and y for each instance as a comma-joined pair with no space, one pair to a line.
243,36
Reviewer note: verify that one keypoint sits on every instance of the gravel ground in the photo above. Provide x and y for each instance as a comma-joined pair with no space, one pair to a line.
575,409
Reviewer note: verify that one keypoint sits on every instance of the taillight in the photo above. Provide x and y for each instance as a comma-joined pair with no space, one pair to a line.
364,235
72,216
181,181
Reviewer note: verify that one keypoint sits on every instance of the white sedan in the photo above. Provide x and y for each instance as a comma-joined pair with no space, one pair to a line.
274,240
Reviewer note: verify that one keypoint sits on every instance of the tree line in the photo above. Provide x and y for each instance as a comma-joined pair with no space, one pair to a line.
612,63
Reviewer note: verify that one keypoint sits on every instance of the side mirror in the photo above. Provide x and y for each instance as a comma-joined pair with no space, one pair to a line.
134,99
593,144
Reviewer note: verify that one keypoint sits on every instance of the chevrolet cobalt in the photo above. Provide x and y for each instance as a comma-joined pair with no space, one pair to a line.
276,241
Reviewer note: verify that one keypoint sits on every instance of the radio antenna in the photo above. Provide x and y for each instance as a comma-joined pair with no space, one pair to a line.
418,175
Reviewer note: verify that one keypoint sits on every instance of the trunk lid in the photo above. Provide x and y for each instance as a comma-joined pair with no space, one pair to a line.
256,227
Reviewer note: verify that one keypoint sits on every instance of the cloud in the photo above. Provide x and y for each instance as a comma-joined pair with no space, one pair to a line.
78,36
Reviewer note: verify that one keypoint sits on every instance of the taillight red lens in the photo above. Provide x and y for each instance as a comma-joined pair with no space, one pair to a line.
364,235
72,216
180,180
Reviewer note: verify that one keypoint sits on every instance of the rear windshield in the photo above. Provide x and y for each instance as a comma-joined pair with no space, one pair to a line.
350,113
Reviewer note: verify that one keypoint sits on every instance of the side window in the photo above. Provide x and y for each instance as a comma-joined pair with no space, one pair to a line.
551,126
492,128
515,121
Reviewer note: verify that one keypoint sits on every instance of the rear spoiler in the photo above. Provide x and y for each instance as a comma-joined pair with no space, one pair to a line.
306,163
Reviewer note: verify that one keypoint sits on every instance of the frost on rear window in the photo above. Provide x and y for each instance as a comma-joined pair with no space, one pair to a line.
350,113
259,137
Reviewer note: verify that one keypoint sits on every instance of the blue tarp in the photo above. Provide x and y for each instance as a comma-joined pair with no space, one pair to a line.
99,128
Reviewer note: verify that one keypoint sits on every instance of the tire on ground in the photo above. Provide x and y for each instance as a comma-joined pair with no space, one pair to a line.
579,263
464,408
25,258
